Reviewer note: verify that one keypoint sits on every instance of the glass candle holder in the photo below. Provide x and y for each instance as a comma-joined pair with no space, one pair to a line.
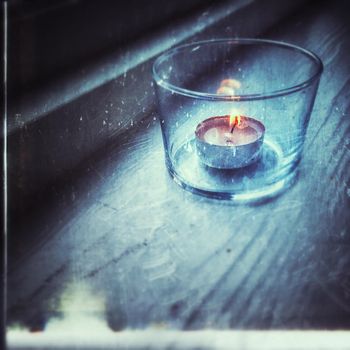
234,114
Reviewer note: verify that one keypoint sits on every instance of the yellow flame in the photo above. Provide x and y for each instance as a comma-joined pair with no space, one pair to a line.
235,120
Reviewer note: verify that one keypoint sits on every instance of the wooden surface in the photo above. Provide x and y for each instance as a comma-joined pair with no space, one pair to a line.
121,246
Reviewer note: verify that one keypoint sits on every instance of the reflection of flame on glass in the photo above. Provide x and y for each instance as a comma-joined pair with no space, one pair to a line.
232,83
228,86
225,90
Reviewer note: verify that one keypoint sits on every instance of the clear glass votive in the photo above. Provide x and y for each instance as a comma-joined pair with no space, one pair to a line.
234,114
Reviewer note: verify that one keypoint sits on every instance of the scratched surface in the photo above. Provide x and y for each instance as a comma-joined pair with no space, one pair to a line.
122,246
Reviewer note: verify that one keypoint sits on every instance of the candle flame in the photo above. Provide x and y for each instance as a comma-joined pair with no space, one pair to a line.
235,120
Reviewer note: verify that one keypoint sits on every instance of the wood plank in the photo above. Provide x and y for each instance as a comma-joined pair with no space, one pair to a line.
161,257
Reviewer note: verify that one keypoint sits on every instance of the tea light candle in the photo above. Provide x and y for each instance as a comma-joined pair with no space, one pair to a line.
229,142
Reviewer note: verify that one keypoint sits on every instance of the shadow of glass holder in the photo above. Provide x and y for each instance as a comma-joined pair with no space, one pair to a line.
272,83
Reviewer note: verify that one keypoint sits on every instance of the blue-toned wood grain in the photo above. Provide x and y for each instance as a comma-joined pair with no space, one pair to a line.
140,252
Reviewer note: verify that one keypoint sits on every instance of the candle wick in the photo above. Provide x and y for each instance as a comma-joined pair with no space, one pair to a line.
233,128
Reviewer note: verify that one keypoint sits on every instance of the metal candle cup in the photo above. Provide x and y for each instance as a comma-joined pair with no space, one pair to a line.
224,145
